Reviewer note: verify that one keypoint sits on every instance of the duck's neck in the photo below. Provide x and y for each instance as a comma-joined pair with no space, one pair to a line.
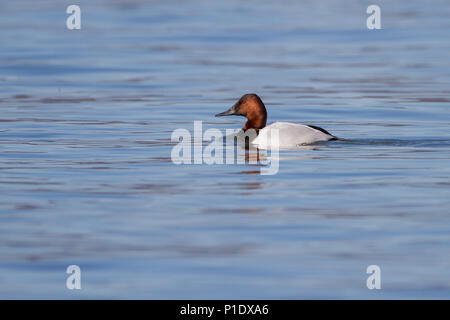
256,121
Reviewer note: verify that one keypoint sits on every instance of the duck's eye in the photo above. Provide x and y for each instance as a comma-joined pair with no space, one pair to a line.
243,102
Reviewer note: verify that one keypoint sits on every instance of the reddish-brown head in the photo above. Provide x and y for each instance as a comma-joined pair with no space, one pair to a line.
251,107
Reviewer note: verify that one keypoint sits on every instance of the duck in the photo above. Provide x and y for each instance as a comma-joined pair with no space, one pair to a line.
290,135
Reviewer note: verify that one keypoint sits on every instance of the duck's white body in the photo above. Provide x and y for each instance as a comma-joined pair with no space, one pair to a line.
289,135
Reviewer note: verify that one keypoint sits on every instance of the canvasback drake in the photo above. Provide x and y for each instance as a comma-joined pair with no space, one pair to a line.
289,134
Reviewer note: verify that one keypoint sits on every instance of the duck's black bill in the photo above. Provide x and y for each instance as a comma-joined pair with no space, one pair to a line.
229,112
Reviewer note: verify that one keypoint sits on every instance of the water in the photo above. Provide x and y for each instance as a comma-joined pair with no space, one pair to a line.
86,176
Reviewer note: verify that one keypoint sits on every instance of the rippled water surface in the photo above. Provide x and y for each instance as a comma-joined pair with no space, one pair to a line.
86,176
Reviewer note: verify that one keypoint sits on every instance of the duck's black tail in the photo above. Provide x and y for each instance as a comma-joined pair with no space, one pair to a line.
326,132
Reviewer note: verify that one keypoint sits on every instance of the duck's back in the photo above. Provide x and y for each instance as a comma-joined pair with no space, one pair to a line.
290,135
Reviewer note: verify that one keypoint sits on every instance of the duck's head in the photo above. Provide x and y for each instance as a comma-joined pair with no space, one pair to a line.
251,107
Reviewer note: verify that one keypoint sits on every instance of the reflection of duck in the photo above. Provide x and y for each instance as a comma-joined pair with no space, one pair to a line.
289,134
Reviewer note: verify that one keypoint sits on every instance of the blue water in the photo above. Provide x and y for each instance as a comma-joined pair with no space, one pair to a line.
86,176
